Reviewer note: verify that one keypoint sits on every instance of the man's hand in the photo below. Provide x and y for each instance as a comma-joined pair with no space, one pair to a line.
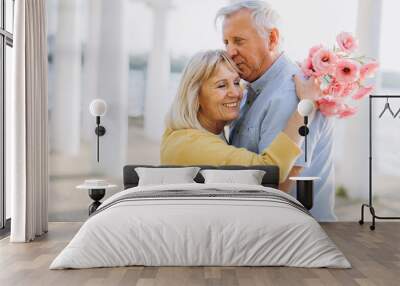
307,88
286,186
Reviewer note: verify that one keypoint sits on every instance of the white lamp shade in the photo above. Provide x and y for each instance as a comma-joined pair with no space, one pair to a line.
98,107
305,107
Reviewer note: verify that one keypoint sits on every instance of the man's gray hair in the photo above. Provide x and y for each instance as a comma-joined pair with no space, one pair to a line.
264,17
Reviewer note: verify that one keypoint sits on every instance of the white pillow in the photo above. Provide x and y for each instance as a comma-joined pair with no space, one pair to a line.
248,177
163,176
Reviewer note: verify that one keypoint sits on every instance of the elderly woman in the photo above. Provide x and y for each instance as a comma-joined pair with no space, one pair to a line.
209,98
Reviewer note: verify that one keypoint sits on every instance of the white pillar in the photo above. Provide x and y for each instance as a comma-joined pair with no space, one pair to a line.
90,68
65,109
356,149
112,82
158,70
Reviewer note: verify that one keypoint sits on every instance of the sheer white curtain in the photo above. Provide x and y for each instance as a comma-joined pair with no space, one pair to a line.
27,155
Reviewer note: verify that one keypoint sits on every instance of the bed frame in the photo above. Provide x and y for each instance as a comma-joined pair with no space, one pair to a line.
270,179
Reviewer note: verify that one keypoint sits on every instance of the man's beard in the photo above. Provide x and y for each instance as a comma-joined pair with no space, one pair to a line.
256,70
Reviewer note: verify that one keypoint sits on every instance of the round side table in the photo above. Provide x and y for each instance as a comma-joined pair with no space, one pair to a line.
96,193
305,190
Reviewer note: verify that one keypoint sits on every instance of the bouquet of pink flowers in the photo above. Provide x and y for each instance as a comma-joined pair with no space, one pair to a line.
341,74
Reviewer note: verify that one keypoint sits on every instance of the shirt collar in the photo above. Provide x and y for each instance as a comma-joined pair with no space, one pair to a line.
271,74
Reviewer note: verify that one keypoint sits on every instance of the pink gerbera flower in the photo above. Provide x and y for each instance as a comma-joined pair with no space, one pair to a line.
347,43
349,89
313,50
347,71
362,92
308,68
368,70
347,111
334,88
327,106
324,61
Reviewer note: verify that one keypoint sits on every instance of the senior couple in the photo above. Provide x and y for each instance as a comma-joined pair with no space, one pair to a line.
262,117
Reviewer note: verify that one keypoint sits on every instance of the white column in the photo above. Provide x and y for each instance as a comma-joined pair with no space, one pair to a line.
356,150
112,82
90,68
65,106
158,70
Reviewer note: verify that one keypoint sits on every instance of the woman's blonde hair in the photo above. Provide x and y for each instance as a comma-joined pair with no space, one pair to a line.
185,106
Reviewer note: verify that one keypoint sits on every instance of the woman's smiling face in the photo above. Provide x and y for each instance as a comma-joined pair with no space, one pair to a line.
219,98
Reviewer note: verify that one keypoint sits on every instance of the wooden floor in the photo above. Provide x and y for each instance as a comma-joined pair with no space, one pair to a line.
374,255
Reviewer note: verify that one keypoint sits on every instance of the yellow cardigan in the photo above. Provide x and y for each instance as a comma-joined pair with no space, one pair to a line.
199,147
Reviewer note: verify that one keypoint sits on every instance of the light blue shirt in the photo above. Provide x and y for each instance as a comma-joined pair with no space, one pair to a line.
268,115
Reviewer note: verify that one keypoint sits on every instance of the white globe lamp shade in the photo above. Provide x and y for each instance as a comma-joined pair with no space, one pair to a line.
98,107
305,107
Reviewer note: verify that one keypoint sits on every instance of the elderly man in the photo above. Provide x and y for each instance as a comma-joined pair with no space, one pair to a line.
252,38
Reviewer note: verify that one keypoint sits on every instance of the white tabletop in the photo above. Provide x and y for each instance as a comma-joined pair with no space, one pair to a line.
91,187
304,178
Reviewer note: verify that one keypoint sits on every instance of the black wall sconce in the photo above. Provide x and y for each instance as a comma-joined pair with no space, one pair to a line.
98,108
305,108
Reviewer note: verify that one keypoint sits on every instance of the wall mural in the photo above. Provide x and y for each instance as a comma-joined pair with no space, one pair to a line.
172,79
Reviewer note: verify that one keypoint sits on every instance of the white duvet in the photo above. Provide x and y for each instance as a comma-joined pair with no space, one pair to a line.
200,231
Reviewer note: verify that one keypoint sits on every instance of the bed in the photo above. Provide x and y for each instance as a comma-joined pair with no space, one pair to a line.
198,224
